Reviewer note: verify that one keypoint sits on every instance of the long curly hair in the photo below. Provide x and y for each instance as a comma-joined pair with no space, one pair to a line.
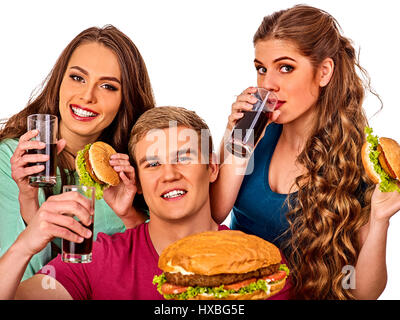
333,199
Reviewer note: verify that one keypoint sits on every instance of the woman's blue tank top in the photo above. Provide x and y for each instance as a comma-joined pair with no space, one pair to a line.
258,210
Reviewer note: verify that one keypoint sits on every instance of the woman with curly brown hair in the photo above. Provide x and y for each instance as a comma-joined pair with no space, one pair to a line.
98,88
305,188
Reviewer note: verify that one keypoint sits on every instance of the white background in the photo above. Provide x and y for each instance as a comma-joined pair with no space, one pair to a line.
199,55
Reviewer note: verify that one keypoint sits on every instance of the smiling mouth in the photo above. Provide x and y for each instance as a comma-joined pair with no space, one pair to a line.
174,194
82,113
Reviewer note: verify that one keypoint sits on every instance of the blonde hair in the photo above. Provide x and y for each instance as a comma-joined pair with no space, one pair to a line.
331,206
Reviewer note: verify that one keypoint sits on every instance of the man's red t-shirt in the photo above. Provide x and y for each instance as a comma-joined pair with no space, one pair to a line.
123,268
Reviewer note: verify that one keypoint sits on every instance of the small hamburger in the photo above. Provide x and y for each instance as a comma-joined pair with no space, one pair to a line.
94,169
381,160
227,265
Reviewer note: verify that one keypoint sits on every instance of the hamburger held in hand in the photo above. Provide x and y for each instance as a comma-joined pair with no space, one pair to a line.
228,264
381,160
94,169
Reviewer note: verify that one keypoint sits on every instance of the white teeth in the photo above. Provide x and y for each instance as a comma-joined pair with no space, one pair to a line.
82,113
174,194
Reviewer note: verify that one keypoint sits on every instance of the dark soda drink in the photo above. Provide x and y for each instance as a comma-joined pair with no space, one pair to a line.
243,136
249,128
73,252
47,177
260,120
83,248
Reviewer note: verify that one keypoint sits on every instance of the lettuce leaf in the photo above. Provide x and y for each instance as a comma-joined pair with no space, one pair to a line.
283,267
218,292
387,184
84,176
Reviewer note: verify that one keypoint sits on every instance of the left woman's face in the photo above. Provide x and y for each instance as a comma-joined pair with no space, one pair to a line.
282,69
90,92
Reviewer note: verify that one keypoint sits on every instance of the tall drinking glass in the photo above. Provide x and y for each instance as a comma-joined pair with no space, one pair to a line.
47,125
248,129
80,252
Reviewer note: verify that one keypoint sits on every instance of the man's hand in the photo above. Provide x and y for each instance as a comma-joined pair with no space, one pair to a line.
55,219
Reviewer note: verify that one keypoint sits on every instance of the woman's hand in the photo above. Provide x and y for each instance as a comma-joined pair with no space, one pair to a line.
245,102
21,170
54,219
20,160
384,205
120,197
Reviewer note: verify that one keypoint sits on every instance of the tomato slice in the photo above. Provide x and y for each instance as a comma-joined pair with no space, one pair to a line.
237,285
281,274
169,288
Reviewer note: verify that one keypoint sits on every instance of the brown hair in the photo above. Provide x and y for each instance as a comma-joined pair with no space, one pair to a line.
137,94
165,117
331,204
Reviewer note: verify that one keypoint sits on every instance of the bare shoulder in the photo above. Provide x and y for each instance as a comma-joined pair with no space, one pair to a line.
42,287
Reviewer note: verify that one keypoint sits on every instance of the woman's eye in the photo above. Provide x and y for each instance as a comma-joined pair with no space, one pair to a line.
109,87
286,68
261,70
76,78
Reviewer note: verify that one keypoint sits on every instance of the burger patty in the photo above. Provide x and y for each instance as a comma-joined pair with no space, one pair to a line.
218,279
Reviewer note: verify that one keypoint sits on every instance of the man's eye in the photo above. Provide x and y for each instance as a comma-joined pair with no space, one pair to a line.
184,160
261,70
152,164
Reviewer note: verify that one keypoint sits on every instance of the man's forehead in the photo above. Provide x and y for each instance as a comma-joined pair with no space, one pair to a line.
166,141
180,133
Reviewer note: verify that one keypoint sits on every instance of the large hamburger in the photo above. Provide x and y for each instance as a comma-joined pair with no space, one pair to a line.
229,265
93,167
381,160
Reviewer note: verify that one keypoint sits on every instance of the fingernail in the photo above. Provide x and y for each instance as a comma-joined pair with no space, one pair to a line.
88,234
